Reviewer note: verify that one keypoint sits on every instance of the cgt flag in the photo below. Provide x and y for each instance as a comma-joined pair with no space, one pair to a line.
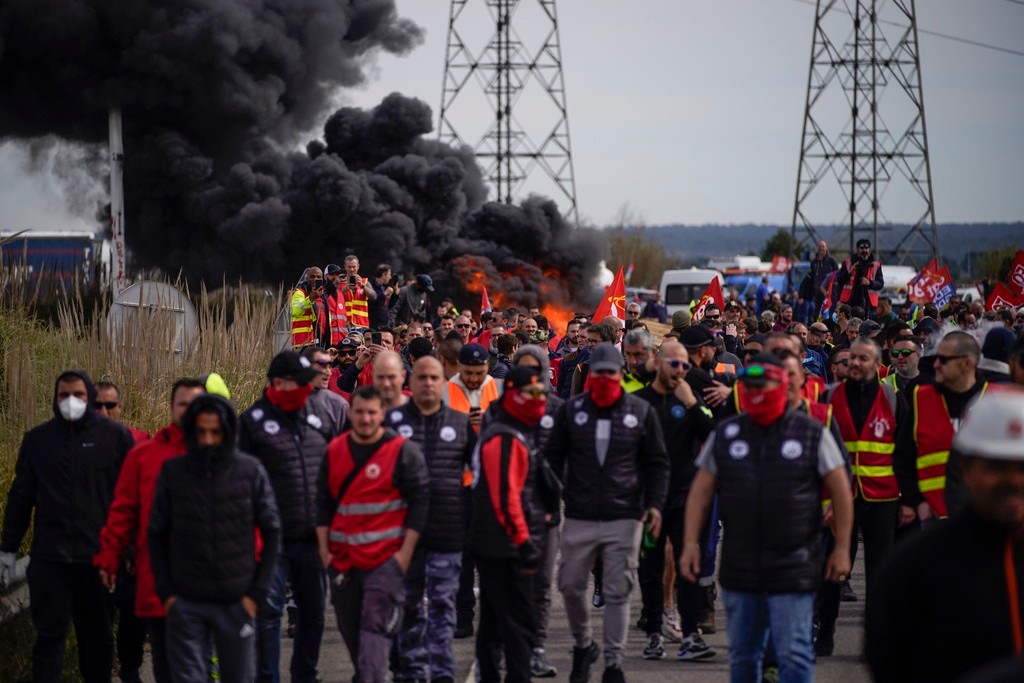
1015,279
933,284
614,300
485,302
712,295
1002,297
780,264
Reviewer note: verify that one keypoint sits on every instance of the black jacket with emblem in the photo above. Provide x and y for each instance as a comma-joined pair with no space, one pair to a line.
67,472
290,446
447,443
770,501
635,473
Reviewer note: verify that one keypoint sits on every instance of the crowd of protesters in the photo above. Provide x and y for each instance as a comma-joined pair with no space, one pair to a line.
405,453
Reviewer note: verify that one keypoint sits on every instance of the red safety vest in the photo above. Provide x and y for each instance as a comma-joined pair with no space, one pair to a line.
847,291
357,311
339,322
870,451
813,387
369,523
933,435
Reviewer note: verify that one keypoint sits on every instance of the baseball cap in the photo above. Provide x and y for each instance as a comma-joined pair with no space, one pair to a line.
332,268
696,336
998,343
425,281
863,242
761,369
869,327
473,354
926,326
291,364
521,376
349,343
605,357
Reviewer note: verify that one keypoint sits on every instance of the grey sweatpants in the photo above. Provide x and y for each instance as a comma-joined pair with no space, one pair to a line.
191,625
618,543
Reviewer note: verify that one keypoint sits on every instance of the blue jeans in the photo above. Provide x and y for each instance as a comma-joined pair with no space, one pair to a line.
425,642
789,617
299,564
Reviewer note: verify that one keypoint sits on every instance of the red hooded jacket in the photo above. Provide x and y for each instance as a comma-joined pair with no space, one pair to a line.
128,518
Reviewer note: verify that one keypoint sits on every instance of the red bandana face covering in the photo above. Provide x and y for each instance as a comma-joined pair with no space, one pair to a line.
527,410
765,407
289,400
604,391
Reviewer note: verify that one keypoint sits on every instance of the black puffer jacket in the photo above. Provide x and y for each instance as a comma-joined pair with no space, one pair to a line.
635,473
67,471
770,500
207,506
290,447
447,443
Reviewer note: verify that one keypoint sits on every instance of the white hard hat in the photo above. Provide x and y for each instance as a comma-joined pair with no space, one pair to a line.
994,428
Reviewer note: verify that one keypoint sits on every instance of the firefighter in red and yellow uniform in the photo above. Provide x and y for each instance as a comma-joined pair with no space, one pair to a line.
356,291
303,307
927,424
372,500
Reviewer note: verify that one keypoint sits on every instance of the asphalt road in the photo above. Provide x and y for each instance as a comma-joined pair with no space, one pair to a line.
845,665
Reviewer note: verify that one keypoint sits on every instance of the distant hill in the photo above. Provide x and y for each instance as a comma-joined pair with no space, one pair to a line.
959,243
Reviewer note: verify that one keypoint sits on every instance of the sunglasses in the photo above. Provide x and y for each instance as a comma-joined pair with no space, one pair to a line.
322,363
902,353
109,405
347,352
945,359
713,317
463,326
676,364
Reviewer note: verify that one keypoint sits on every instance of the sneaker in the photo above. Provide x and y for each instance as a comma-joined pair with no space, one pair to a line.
824,641
597,600
770,674
693,648
655,647
670,627
582,658
539,666
613,674
846,593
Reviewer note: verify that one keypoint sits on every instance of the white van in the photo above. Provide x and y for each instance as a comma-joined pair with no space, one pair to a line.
679,288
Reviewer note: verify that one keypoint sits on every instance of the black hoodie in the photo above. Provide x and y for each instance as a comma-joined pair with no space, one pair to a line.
208,504
67,471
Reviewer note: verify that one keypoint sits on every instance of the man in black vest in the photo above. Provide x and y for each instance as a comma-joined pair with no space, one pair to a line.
288,433
608,445
768,465
425,643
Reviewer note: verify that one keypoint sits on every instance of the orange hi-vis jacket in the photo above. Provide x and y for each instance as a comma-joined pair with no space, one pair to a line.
873,476
369,523
933,435
336,313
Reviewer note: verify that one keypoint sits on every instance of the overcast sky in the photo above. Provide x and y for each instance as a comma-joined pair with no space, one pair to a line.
691,112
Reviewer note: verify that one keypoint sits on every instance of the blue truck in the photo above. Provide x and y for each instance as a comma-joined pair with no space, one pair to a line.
52,260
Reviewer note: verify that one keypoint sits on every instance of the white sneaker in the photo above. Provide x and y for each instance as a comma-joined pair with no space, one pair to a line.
670,626
693,647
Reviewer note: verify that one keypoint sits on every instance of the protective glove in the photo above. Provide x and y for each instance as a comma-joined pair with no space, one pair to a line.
7,568
529,556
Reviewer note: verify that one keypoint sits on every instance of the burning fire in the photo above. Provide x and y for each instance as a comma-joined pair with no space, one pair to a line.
521,285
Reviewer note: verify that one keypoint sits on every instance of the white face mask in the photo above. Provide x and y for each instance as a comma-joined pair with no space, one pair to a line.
72,408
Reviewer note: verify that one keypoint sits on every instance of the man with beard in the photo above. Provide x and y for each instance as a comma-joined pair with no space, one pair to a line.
638,350
946,604
785,319
860,279
334,303
699,342
685,423
345,354
839,365
308,313
329,403
412,301
906,356
356,292
288,434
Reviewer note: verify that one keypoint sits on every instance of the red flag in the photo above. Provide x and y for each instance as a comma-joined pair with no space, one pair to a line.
614,300
1002,297
932,284
485,303
712,295
780,265
1016,277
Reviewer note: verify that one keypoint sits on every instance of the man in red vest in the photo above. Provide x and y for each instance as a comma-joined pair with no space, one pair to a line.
860,279
356,292
372,499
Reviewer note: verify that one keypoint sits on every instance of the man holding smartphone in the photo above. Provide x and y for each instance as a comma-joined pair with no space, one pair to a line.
357,294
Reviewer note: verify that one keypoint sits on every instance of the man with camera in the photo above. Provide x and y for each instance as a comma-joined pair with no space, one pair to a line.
307,308
356,292
385,287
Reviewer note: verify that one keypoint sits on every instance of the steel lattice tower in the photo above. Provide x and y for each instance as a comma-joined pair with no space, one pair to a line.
503,68
873,152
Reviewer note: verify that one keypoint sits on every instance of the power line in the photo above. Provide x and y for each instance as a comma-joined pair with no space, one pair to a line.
966,41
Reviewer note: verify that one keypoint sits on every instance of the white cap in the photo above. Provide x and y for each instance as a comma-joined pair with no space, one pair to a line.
994,427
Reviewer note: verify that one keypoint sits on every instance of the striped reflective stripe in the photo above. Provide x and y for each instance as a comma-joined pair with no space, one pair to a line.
370,508
869,447
931,459
933,484
873,470
367,537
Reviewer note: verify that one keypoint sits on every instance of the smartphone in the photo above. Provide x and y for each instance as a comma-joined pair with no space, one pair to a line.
375,338
352,279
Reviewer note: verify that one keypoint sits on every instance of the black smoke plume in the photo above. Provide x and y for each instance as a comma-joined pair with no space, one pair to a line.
217,94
